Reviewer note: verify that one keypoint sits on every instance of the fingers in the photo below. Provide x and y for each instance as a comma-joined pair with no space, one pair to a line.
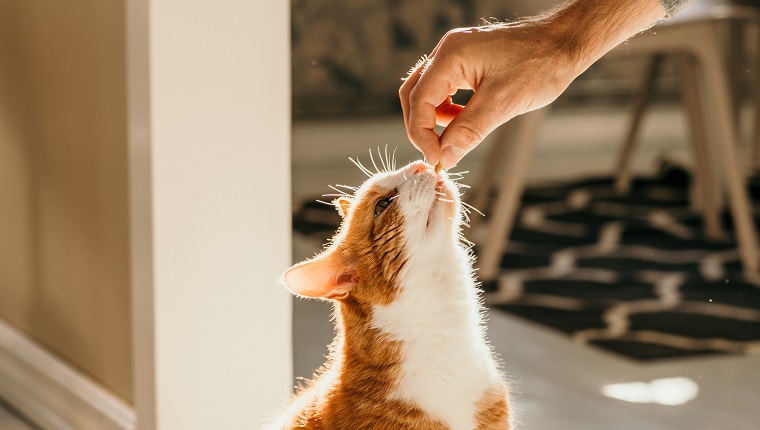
446,111
419,113
431,91
428,143
411,80
406,88
467,129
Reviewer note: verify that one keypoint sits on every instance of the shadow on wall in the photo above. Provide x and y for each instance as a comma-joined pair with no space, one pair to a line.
64,262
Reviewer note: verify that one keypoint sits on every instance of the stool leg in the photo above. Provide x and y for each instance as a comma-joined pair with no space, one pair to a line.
736,58
716,80
706,183
623,168
755,143
510,190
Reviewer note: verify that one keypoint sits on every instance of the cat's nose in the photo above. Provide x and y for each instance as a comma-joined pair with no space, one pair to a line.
419,166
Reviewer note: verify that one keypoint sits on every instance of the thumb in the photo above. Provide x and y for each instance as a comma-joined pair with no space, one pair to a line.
478,118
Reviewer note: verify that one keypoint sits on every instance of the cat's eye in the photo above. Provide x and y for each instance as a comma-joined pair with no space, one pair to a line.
382,205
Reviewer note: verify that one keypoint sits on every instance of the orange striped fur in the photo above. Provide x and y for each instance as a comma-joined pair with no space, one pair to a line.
364,271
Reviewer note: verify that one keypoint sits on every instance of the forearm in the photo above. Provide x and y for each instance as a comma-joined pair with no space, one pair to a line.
585,30
514,68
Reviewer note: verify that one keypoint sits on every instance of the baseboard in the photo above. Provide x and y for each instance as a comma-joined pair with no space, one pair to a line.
51,393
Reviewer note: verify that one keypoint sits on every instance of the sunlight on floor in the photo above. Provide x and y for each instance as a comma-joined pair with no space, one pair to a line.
667,391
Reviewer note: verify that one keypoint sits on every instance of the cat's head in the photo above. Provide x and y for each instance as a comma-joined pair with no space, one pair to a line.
393,218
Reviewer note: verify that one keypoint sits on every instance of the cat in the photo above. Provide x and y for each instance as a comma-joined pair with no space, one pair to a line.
410,350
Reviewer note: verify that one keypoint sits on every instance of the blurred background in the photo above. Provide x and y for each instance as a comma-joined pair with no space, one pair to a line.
597,297
348,60
611,308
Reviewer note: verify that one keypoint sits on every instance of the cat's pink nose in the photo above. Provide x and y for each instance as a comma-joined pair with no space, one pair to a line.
420,166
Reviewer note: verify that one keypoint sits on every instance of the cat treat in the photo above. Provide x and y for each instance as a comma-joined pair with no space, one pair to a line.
410,350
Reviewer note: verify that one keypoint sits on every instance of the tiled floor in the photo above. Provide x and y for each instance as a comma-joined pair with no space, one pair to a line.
557,384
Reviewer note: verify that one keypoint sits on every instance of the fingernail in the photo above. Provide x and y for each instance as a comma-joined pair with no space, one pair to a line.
450,156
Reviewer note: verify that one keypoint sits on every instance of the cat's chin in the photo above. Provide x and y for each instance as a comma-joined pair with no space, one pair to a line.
443,210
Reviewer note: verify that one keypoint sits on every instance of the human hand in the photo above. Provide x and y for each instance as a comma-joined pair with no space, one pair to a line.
513,69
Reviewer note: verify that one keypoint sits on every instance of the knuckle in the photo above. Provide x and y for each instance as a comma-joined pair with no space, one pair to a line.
413,96
412,133
455,38
404,90
415,135
454,34
470,134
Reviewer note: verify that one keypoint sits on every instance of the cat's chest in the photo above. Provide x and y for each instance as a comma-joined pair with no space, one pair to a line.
447,365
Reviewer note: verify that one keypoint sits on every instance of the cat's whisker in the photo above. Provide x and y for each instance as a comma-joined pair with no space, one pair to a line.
347,187
382,160
468,244
462,173
335,195
469,206
387,160
324,203
371,157
361,166
393,160
339,190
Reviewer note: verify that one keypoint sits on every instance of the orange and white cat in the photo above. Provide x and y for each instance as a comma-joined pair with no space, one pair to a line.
410,350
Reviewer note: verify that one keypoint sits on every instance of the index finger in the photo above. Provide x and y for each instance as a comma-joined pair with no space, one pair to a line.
431,90
406,88
411,80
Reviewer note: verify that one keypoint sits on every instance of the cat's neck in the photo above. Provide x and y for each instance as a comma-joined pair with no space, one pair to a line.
424,351
433,302
361,353
437,293
447,365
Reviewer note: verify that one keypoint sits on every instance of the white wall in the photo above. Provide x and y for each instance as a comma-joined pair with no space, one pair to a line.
209,152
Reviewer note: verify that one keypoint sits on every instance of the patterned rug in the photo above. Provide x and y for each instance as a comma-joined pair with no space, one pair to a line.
632,274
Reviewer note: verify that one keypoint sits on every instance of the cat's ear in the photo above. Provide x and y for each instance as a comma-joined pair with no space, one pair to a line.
342,204
324,276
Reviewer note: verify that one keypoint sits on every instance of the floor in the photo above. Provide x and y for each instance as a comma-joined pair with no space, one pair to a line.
556,384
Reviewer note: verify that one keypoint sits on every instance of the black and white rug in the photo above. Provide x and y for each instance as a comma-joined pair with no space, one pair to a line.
632,274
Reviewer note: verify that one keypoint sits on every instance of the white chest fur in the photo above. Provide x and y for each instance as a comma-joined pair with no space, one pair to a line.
447,363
